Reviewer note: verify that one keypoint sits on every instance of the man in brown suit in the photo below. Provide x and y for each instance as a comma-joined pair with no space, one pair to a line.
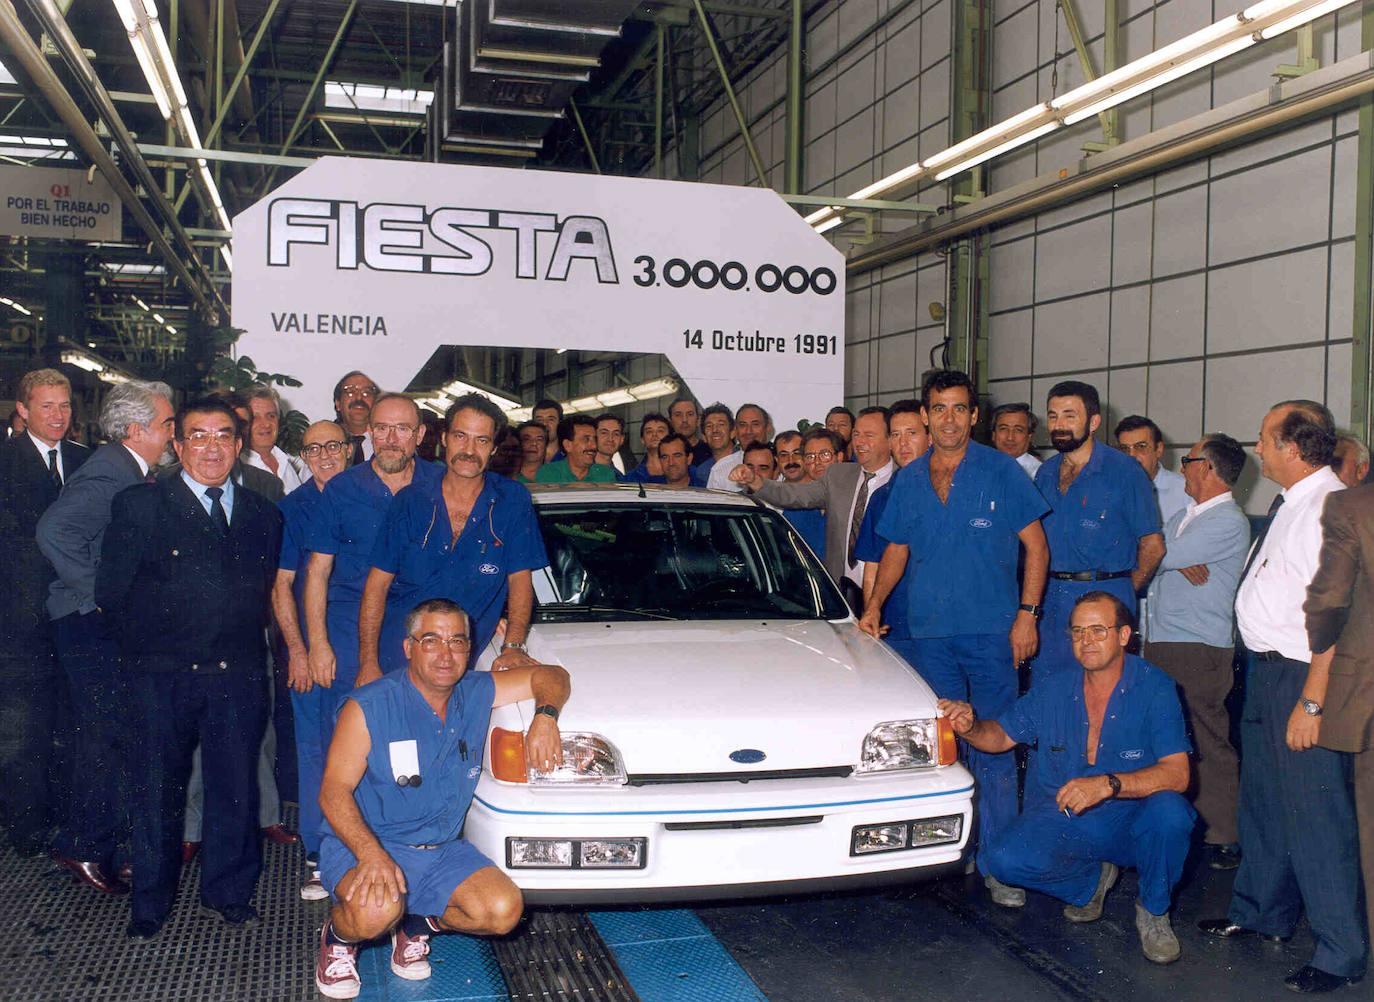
1339,604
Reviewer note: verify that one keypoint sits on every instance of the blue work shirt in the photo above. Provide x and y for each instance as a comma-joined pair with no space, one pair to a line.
448,753
297,512
810,523
416,544
1099,523
962,567
351,509
1143,722
869,548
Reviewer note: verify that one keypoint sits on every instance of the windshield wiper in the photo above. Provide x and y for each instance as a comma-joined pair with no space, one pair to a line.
560,607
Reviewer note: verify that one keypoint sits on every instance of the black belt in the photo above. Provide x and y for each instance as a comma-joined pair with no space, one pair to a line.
1089,575
1268,656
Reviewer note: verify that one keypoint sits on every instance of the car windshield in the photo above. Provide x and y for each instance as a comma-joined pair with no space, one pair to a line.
617,563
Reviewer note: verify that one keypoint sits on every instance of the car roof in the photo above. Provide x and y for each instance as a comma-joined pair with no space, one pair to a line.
548,494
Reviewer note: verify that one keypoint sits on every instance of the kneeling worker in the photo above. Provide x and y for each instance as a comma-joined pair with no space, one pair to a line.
1113,800
405,759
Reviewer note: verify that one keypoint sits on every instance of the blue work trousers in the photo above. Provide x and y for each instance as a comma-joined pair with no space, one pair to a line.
225,712
1299,847
1056,653
978,669
96,818
1062,856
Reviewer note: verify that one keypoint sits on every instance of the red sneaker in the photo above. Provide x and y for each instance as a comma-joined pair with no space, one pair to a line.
336,969
409,956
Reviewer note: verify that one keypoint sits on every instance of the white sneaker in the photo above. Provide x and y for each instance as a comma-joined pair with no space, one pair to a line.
336,969
409,956
313,888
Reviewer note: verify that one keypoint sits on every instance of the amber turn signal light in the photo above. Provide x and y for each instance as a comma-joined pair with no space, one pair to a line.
949,748
508,755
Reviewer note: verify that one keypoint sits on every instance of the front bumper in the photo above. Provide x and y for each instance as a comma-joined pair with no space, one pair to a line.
724,839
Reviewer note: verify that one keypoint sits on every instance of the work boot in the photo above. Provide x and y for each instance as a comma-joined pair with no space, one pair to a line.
1157,939
1092,911
1004,894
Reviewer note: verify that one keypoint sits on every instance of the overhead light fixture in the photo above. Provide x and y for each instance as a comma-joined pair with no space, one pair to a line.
82,361
110,376
16,306
1010,144
829,224
371,97
457,388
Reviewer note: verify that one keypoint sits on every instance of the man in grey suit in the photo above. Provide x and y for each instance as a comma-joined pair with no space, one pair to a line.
137,418
843,491
1190,618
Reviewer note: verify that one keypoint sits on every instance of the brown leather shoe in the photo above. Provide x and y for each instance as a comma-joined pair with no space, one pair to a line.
93,874
278,834
188,851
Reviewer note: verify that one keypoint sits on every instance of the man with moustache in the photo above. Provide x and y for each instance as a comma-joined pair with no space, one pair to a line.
752,424
717,426
674,454
1012,428
354,396
577,435
1107,793
810,522
534,444
610,436
138,419
909,440
33,469
682,412
472,536
1103,527
958,517
652,430
324,450
185,576
351,510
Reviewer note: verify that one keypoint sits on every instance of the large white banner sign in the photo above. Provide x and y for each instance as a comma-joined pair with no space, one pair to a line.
54,202
373,264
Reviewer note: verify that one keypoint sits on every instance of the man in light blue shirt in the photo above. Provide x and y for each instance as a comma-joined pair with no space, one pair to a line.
1141,439
1191,627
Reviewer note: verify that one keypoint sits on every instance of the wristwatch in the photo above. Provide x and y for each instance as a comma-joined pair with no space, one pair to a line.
1310,707
1115,784
548,710
1034,610
517,646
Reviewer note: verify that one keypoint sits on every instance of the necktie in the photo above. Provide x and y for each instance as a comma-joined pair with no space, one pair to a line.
860,503
1274,506
357,456
53,473
217,514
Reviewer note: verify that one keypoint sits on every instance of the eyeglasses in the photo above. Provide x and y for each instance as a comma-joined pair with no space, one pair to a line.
432,643
401,431
201,439
1140,447
1080,633
358,391
314,449
812,457
789,454
1192,459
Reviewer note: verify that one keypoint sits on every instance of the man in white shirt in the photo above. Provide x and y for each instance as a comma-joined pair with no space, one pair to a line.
1141,439
752,424
263,451
1297,821
1012,428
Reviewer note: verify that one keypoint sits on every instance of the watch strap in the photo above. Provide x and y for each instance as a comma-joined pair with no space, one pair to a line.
1114,783
1034,610
548,710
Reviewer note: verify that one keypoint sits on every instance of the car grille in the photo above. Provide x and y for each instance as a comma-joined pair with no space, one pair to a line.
662,778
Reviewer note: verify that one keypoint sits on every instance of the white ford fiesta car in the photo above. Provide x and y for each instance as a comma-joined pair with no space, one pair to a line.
730,732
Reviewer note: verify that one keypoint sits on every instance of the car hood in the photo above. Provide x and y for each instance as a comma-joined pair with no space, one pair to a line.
681,697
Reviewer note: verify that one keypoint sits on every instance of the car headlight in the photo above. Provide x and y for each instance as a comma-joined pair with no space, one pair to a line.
908,744
588,760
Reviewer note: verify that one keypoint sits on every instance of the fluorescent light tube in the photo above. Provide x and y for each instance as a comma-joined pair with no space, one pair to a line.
1160,79
1311,14
1010,144
996,132
829,224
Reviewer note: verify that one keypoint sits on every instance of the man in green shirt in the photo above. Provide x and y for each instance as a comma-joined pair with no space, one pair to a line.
577,434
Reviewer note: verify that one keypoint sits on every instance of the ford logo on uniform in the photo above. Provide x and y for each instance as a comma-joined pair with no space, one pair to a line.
489,569
747,756
980,523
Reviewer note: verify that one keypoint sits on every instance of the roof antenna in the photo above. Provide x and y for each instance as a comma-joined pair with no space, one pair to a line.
642,495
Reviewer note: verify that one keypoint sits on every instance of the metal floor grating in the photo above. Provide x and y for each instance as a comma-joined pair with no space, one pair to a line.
560,957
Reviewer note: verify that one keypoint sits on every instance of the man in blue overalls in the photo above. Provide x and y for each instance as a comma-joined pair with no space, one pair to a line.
471,536
1113,756
406,757
1103,527
956,520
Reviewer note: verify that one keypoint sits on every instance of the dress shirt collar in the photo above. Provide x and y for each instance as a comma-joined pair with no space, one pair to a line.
142,466
1194,509
1312,482
199,489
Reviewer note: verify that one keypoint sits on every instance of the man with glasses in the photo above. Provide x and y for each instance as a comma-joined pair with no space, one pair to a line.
1191,626
354,397
1113,765
396,791
1141,439
324,451
350,511
184,578
470,537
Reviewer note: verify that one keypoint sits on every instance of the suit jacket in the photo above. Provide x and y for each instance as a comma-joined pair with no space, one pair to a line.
835,493
254,478
72,529
26,491
179,595
1340,611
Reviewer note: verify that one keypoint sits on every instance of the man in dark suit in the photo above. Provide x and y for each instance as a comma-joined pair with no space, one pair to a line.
33,467
185,574
137,419
1337,610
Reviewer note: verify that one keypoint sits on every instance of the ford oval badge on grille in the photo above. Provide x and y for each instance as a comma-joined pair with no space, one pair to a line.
747,756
